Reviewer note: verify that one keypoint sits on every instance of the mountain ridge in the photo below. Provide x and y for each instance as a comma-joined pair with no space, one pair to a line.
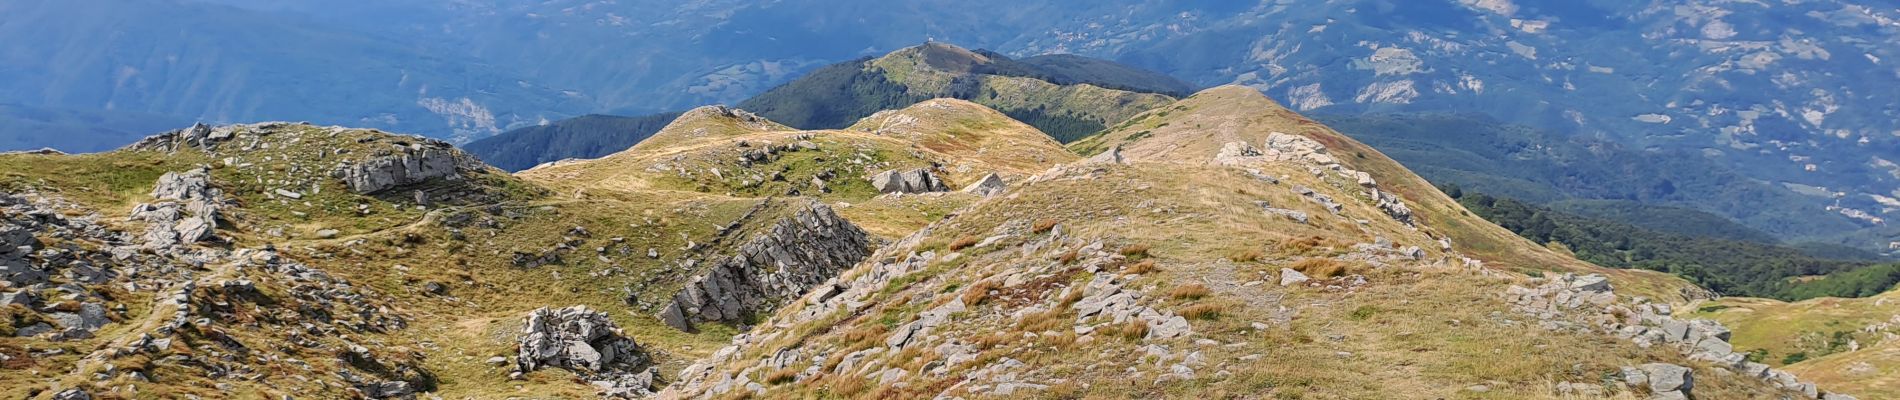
969,253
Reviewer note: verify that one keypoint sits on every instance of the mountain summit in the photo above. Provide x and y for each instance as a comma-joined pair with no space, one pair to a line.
1065,96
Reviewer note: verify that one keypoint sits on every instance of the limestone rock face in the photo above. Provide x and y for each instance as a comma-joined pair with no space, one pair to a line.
913,181
792,256
589,344
407,165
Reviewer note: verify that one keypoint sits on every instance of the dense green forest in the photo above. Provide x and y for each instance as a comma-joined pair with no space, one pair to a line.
588,136
837,96
1727,266
1483,155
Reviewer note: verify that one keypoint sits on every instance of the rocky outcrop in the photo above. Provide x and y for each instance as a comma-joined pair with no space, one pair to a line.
913,181
587,343
990,185
199,136
1236,153
410,164
1589,303
795,254
187,209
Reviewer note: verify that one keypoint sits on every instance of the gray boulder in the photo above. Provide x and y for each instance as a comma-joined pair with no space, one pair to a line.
990,185
72,394
913,181
1290,277
408,165
1668,377
20,297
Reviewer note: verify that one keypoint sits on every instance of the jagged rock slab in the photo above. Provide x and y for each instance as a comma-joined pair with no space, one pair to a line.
792,256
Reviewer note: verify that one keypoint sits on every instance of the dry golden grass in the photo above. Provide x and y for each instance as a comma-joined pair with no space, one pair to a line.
1135,250
963,243
1204,311
1303,246
978,292
1143,267
781,376
1190,292
1320,267
843,386
1245,256
1043,321
1133,330
1043,226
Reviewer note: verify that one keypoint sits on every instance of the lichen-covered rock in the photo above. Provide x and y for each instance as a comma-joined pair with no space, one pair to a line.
587,343
410,164
792,256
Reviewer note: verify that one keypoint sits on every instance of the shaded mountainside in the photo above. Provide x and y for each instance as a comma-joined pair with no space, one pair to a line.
586,136
1064,96
1727,266
943,248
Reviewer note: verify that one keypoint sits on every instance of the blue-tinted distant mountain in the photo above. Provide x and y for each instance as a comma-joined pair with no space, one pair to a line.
164,62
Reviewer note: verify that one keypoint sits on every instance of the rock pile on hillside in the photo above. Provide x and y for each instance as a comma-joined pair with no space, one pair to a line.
588,343
793,255
1589,303
910,182
1285,148
187,209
